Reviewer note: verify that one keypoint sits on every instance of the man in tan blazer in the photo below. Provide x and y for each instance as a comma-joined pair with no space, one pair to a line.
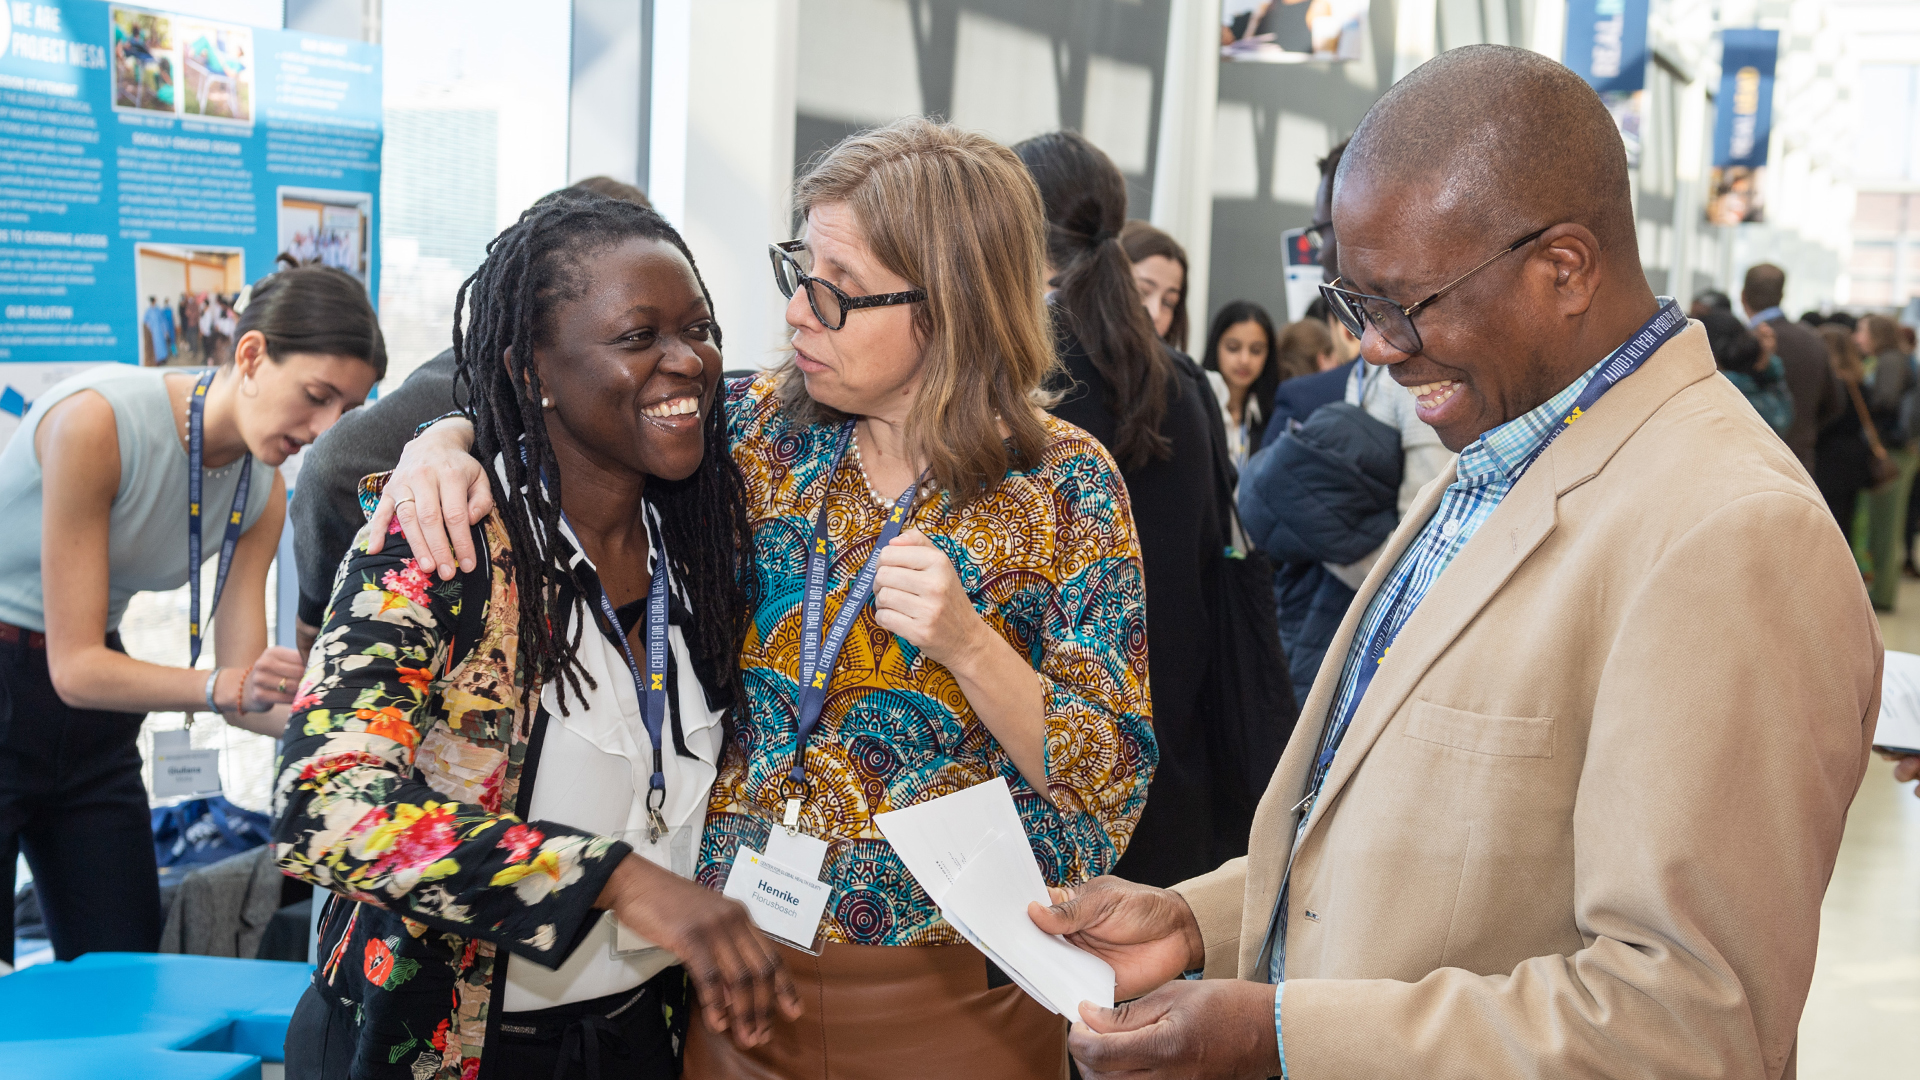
1578,819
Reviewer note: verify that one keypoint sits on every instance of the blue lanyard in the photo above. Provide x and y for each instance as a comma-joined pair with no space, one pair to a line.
1662,328
650,690
817,651
196,455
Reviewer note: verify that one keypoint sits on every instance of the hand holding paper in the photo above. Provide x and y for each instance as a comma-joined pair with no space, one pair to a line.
969,852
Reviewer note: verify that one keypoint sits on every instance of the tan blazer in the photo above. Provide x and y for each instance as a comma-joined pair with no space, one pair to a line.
1583,819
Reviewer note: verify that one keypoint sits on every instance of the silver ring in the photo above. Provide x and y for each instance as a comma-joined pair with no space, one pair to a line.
398,503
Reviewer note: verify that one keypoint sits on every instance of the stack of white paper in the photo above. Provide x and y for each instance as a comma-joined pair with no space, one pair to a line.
1899,724
969,852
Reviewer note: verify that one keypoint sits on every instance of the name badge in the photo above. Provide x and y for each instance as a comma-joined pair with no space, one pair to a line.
179,770
784,903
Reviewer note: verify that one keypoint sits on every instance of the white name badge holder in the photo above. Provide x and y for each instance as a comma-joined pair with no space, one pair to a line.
180,771
671,849
781,886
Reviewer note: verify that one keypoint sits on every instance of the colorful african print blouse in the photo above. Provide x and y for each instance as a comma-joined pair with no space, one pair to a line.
1051,561
406,762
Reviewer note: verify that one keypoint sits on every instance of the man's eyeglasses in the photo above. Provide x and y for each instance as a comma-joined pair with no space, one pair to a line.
830,305
1395,323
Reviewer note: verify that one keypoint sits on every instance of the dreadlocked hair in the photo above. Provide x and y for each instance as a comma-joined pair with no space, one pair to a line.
530,267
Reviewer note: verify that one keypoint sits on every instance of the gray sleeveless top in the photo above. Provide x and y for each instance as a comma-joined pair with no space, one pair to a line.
147,543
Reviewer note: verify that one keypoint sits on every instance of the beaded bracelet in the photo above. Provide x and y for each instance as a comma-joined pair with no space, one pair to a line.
240,693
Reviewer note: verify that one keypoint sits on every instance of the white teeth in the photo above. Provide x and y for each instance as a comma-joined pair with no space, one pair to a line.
1440,391
677,407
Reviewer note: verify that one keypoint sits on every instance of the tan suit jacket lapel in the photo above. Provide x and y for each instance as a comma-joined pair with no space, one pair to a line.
1522,522
1273,821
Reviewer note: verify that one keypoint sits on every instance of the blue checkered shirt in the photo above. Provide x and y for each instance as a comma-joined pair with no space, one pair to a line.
1487,470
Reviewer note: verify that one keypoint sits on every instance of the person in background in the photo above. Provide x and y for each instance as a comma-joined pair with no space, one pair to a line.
96,484
1160,272
1818,399
468,766
1891,394
1296,399
1241,367
1006,636
1912,527
1305,348
1152,409
325,507
1842,457
1747,359
1711,300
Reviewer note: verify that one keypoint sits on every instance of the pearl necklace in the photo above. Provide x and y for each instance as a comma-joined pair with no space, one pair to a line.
860,465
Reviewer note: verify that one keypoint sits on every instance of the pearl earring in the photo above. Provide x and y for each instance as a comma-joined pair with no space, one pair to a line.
546,403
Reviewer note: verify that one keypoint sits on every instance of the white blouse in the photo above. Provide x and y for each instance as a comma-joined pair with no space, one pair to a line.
592,774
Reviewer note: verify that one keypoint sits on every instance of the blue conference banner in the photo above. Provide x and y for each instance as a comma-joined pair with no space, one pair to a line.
153,164
1743,112
1742,126
1607,46
1607,43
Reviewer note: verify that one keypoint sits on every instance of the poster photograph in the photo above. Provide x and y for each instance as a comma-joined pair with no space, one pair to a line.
217,65
1292,31
1738,195
332,228
145,61
185,296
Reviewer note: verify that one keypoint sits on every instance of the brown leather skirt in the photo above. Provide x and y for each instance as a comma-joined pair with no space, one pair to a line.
879,1013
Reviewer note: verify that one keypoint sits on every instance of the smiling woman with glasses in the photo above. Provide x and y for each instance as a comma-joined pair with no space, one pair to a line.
898,467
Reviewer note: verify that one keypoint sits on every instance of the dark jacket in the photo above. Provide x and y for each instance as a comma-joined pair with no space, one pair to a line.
325,510
1817,396
1296,399
1182,534
1324,494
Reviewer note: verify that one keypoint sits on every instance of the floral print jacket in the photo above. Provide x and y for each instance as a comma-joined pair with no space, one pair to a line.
408,755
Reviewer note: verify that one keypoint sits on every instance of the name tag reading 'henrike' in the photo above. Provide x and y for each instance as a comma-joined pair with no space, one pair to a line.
783,902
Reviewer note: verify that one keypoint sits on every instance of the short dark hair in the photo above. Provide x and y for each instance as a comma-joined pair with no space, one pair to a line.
1714,300
1765,286
314,309
1734,346
611,188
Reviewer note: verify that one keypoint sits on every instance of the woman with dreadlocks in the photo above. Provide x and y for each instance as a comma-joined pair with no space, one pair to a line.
977,559
503,777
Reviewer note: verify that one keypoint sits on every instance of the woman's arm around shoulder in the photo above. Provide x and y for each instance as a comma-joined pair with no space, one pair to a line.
354,814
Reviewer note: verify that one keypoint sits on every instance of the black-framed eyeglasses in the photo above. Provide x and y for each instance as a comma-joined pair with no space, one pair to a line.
1395,323
830,305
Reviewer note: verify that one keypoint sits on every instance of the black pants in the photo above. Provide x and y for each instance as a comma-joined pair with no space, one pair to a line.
71,798
579,1040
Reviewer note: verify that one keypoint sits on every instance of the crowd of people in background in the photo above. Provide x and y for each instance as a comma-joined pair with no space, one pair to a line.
1844,392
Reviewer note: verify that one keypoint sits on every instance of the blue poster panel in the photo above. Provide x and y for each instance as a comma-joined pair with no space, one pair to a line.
153,164
1742,126
1607,46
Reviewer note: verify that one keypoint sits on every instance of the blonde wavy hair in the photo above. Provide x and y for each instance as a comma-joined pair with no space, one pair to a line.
955,214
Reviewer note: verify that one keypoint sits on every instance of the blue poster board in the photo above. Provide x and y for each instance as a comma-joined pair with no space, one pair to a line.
153,164
1607,44
1743,110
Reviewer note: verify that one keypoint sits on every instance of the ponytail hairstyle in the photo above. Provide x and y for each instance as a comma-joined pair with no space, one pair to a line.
1085,200
504,308
313,309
